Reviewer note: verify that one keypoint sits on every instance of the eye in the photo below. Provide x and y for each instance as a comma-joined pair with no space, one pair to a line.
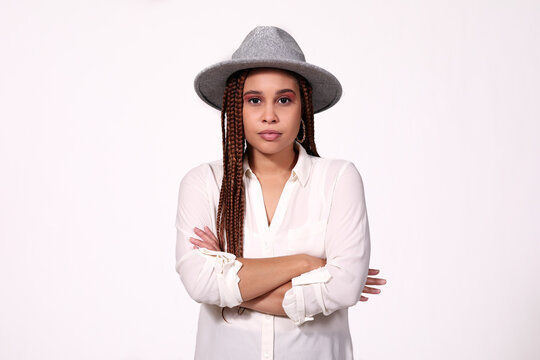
284,100
254,100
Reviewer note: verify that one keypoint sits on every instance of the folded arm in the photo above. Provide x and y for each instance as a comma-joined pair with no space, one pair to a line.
272,301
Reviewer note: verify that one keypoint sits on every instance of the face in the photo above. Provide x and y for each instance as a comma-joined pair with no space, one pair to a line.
272,110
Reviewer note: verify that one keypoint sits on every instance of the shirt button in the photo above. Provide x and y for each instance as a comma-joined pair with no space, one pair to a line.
266,355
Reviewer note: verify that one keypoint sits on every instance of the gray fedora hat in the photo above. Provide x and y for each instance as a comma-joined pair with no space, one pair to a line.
268,46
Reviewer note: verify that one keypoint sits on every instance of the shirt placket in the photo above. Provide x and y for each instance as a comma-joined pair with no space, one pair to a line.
267,345
267,331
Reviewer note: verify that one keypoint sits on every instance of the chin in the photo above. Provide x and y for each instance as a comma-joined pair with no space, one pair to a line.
271,147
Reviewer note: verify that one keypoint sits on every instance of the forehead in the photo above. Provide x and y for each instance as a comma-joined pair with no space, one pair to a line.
270,78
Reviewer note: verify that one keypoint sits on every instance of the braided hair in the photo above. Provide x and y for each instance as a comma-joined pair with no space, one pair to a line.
232,201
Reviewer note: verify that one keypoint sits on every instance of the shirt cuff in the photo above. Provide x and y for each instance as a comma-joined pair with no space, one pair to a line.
319,275
226,267
294,300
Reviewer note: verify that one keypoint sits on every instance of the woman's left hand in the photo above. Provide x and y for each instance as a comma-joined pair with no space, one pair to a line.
209,240
372,281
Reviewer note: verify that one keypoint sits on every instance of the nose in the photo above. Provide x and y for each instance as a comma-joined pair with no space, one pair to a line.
269,114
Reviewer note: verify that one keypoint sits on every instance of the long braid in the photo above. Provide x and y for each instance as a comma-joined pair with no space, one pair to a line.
225,190
222,195
240,198
307,114
231,208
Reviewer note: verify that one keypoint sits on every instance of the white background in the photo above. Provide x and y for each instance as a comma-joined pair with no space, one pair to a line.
99,122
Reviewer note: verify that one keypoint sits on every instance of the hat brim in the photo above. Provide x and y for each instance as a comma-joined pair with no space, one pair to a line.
210,82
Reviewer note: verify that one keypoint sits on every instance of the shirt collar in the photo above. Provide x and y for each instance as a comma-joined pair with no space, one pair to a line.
301,169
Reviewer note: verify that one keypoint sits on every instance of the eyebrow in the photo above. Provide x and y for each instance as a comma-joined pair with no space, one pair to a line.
282,91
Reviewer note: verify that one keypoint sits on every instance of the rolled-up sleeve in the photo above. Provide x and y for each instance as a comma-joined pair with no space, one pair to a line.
209,277
339,283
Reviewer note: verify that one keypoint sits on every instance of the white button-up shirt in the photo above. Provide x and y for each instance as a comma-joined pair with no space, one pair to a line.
321,212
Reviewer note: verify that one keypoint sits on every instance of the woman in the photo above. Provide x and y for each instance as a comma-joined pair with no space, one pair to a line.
273,240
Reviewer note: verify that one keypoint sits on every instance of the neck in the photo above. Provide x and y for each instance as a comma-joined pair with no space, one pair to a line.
264,165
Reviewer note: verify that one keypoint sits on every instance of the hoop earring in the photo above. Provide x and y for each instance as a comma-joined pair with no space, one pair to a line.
303,132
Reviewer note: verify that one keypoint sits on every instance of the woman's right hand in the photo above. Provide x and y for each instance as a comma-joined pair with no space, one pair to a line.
208,239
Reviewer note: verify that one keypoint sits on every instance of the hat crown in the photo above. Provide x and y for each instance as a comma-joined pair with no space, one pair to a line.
269,42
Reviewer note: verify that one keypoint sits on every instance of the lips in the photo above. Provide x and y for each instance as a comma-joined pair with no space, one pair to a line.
270,135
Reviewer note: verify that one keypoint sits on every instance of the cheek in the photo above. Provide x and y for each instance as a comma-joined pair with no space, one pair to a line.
249,116
248,126
292,116
245,118
293,111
